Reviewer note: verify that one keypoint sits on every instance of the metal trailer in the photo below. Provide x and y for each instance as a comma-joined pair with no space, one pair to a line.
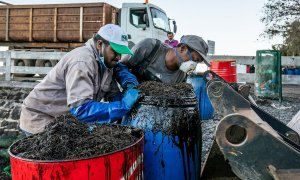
51,27
54,26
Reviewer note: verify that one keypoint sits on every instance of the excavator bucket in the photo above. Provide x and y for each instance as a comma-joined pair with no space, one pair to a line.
215,165
249,143
253,149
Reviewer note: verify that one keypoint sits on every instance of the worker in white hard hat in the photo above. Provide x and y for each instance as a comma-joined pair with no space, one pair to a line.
81,81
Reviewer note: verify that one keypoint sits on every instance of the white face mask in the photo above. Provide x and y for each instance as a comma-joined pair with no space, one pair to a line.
101,55
188,66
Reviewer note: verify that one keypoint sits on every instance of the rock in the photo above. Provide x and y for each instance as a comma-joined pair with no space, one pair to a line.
10,124
15,114
11,132
4,114
1,130
9,105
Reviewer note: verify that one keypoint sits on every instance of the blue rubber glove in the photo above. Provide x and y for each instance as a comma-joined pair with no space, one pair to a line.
130,86
124,76
93,111
130,98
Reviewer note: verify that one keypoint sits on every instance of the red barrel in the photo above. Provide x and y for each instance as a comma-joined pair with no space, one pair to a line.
224,68
123,164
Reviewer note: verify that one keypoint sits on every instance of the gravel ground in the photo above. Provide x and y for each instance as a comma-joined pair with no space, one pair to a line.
289,107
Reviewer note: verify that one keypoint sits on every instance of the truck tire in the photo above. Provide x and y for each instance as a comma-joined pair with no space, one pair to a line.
130,44
45,63
24,62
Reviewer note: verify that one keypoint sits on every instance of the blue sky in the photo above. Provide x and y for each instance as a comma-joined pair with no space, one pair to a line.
233,24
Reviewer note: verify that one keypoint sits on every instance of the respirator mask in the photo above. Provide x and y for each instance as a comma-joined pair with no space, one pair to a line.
186,66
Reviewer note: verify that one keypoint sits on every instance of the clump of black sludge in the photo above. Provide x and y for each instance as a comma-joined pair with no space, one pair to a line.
163,94
67,138
153,88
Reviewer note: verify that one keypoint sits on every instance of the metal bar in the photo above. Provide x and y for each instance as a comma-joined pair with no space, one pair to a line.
39,45
29,70
18,84
46,6
114,15
81,25
30,25
37,55
2,69
250,60
55,25
7,24
103,18
7,65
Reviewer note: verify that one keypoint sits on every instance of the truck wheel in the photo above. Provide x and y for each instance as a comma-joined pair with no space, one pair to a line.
45,63
130,44
24,62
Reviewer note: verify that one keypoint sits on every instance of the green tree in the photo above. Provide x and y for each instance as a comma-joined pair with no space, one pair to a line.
282,18
292,39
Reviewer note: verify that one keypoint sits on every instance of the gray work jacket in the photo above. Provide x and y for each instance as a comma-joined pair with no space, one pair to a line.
76,78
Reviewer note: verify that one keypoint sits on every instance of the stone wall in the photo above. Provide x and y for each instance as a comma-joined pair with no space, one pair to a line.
10,107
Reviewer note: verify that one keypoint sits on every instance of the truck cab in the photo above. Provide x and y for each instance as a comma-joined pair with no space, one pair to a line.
142,20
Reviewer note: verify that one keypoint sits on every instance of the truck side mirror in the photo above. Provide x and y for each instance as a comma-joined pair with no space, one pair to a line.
175,26
146,19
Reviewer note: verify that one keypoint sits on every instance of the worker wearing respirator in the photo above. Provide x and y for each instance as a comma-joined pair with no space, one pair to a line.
154,60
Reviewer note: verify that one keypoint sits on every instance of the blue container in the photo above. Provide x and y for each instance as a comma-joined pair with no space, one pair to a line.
173,138
290,71
206,110
284,71
297,71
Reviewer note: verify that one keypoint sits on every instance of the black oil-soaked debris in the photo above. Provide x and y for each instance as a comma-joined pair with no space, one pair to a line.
153,88
174,114
67,138
161,94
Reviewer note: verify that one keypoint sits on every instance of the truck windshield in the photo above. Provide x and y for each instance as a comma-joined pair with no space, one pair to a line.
160,19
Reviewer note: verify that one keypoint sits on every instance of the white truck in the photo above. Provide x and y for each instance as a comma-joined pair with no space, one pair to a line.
62,27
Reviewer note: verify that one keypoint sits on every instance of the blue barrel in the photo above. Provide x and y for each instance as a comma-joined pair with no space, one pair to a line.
173,137
297,71
290,71
206,110
284,71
